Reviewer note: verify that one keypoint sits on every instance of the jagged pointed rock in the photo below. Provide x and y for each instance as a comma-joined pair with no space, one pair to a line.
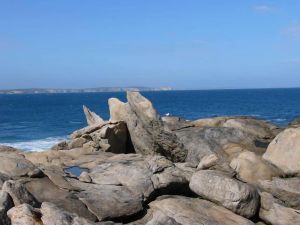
91,117
147,131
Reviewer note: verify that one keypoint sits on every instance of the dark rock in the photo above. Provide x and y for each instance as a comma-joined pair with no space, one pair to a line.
19,193
6,203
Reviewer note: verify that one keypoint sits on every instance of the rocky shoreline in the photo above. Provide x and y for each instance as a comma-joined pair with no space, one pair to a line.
139,168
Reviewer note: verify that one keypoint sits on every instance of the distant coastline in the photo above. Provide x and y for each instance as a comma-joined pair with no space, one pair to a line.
81,90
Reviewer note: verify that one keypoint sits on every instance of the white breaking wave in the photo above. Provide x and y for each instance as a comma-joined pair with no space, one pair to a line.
36,145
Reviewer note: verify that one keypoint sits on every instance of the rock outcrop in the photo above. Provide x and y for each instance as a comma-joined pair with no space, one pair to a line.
142,169
91,117
147,131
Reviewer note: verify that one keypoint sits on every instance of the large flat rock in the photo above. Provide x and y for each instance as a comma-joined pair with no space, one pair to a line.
222,189
179,210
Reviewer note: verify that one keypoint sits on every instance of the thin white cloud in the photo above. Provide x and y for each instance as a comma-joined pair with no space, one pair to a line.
263,8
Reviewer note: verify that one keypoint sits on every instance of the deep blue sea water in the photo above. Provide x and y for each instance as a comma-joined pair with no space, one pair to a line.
37,121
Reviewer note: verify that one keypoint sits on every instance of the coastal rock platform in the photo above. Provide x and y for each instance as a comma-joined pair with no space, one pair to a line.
140,168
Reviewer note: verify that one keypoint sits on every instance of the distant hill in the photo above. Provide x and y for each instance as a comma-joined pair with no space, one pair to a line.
83,90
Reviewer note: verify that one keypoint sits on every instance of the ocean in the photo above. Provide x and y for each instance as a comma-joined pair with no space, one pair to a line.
35,122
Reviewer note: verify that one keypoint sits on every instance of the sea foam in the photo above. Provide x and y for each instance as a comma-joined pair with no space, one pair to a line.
36,145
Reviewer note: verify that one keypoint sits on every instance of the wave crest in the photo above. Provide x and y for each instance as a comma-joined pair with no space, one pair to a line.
36,145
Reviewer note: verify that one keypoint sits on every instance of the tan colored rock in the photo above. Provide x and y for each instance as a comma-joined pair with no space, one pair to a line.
179,210
53,215
273,212
285,189
249,125
205,141
77,142
14,164
220,188
118,110
44,190
175,123
91,117
147,131
284,151
207,162
9,149
251,168
25,215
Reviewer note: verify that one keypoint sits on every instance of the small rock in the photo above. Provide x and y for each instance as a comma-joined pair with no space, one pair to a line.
84,177
207,162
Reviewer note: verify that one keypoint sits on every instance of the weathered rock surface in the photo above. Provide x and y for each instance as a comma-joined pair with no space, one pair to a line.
251,168
118,170
14,164
179,210
175,123
124,182
24,215
251,125
107,137
146,128
91,117
284,151
273,212
285,189
44,190
220,188
6,203
19,193
53,215
205,141
3,178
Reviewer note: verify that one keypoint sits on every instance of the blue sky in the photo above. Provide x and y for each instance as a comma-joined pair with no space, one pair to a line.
186,44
